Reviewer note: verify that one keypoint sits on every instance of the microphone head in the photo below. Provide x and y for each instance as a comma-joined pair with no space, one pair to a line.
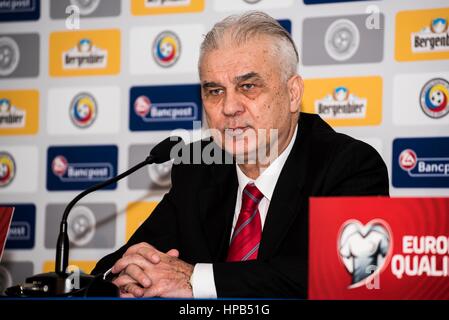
162,152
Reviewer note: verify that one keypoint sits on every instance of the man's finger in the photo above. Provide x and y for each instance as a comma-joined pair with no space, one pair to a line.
151,254
173,253
155,258
134,289
136,273
123,280
133,249
124,262
153,291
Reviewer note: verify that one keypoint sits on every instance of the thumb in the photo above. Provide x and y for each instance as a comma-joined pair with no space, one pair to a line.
173,253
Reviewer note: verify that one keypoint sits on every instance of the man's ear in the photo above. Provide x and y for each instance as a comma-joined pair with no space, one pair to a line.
295,90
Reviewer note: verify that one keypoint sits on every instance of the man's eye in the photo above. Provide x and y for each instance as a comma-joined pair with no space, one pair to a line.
215,92
247,86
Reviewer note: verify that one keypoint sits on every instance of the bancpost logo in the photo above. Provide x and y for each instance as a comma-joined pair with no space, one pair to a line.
83,110
7,169
85,53
164,107
422,35
423,167
19,10
136,214
80,171
19,112
434,98
364,250
150,7
78,167
166,49
421,162
22,230
155,112
345,101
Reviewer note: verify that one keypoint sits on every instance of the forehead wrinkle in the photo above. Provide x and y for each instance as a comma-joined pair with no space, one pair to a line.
218,64
247,76
216,72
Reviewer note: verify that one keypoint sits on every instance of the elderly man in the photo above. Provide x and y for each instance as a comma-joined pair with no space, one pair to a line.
241,229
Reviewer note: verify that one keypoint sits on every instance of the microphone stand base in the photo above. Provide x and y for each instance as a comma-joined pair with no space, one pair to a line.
52,284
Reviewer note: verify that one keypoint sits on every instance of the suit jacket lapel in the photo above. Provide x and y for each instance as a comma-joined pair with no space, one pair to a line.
217,205
287,195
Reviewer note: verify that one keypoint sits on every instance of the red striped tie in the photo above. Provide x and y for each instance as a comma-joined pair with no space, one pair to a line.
248,230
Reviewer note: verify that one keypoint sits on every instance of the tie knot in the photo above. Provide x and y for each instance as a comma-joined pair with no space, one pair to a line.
252,195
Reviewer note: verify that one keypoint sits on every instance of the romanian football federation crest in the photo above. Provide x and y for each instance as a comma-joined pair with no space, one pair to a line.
166,49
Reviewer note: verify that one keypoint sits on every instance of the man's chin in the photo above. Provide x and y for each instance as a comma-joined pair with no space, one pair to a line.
242,155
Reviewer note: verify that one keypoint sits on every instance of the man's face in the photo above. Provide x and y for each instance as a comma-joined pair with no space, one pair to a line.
243,91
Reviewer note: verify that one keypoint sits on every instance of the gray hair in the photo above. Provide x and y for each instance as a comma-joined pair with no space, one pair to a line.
241,28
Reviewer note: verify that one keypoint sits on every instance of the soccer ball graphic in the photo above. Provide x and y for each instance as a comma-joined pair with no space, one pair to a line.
437,98
166,49
342,40
434,98
83,111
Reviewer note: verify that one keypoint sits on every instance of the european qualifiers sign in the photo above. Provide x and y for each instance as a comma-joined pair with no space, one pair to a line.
379,248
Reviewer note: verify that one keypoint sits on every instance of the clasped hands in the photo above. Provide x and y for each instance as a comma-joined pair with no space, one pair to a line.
143,271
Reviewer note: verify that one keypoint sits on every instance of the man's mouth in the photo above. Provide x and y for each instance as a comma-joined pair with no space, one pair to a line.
235,131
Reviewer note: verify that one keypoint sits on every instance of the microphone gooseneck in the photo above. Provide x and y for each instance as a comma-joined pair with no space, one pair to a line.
160,153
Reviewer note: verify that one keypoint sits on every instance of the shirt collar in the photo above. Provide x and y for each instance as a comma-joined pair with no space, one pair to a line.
269,177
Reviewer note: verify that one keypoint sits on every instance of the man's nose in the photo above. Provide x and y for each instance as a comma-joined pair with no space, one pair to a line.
232,105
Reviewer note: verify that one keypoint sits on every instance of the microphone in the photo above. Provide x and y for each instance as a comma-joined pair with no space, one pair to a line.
159,154
56,283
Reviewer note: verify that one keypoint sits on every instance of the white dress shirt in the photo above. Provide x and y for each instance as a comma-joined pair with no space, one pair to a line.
202,279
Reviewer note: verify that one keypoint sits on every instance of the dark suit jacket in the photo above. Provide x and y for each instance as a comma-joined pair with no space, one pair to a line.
196,215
